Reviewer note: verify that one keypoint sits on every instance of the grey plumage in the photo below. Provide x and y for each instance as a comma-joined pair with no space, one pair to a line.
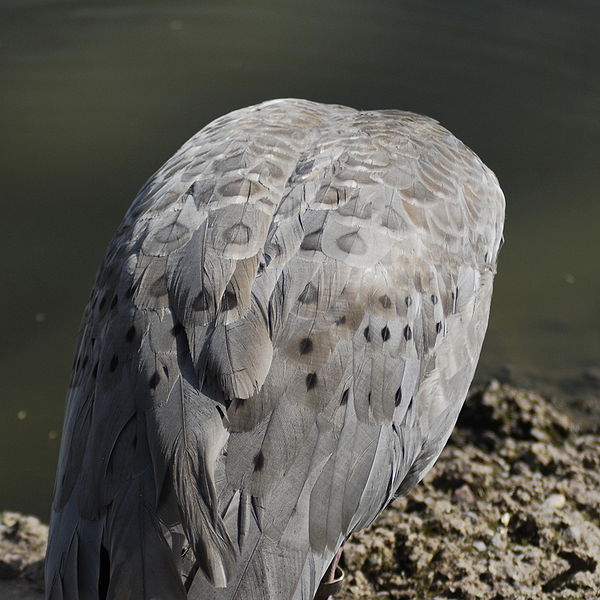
279,341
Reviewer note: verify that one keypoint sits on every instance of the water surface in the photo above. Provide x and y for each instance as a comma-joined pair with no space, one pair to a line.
94,96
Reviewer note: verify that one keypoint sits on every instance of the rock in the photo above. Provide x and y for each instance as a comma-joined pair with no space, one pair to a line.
499,540
22,547
554,502
464,494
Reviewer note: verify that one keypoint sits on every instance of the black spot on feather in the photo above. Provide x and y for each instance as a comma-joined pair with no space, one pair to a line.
95,370
114,362
84,363
201,301
408,300
306,346
158,289
438,327
311,381
264,263
385,301
229,300
102,302
130,334
434,299
341,320
154,380
407,333
114,302
385,334
345,397
312,241
166,371
398,397
367,333
259,461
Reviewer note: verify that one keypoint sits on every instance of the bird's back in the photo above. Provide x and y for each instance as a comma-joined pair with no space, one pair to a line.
279,341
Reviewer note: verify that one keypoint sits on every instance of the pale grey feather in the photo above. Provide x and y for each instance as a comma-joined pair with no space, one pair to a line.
279,340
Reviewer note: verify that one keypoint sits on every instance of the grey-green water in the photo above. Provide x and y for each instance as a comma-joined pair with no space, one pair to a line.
94,96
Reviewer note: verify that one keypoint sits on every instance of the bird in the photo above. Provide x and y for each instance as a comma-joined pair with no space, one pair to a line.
277,344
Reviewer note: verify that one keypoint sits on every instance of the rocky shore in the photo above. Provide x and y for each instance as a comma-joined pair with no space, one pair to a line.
511,511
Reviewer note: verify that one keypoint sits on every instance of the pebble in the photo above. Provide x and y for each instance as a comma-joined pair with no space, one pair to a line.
498,541
464,494
554,502
479,545
574,534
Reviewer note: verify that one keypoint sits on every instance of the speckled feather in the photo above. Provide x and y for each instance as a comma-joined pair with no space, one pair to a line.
279,341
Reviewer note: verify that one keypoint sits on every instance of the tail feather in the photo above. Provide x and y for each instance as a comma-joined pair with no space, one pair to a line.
142,566
191,431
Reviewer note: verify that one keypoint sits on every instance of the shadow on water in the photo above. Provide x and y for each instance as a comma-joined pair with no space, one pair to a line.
95,96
